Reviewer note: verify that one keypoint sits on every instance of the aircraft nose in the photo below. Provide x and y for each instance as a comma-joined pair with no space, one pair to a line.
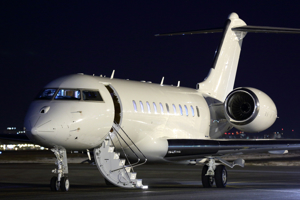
34,131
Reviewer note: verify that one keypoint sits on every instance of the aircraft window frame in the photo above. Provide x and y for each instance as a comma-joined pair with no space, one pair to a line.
198,112
186,110
174,109
148,106
180,109
100,99
168,110
38,97
161,108
155,108
192,109
134,105
66,97
142,106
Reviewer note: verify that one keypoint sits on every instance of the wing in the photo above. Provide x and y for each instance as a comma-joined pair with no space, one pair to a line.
183,149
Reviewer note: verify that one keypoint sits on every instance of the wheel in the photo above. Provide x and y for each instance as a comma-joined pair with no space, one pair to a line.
221,176
54,185
64,184
207,181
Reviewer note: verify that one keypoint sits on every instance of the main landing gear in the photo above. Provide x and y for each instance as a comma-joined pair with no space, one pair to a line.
220,177
214,172
60,181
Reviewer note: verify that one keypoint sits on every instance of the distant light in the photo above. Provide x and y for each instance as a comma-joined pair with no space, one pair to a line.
282,129
225,133
293,130
0,152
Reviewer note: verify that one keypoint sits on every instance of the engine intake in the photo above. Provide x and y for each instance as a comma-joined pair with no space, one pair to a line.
241,105
250,110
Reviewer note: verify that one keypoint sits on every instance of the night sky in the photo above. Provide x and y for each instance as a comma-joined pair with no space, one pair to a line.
43,40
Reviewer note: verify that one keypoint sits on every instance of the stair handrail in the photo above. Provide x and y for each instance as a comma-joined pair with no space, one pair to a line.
138,158
131,142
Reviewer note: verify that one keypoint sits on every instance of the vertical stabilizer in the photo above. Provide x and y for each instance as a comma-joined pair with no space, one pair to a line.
221,77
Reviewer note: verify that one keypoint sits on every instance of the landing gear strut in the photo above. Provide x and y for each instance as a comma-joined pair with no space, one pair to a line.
214,172
61,181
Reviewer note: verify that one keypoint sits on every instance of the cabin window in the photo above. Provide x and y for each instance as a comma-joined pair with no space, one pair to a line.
46,94
161,108
174,108
142,106
68,94
155,109
148,106
180,108
167,106
198,113
88,95
186,110
134,106
192,109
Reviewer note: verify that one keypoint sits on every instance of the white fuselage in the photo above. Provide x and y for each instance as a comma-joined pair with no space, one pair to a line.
79,124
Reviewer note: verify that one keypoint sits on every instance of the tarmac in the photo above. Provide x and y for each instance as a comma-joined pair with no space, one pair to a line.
20,180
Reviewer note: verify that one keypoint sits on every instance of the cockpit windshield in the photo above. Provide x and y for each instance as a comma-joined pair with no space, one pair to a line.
68,94
91,95
46,94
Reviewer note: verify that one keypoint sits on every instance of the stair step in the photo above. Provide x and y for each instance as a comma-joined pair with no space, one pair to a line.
133,175
122,162
139,183
111,149
128,169
113,168
116,155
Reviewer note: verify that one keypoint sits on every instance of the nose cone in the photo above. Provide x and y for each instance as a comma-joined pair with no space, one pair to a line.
37,119
34,131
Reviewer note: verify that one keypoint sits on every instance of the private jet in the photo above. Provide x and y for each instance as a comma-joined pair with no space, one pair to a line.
123,124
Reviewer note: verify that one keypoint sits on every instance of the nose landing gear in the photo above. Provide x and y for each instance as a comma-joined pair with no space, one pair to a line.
61,181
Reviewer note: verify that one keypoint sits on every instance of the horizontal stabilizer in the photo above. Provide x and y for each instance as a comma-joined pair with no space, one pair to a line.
249,29
203,31
266,29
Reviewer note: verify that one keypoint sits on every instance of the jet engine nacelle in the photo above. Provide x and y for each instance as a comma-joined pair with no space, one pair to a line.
250,110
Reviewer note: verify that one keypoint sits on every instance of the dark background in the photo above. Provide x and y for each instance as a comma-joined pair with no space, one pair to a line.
43,40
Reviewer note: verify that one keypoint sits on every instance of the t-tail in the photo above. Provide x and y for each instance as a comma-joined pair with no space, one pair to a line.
220,80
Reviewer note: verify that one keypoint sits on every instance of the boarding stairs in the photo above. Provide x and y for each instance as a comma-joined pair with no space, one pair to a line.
118,171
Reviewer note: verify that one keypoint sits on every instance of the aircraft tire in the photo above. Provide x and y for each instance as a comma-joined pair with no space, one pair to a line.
221,176
64,184
207,181
54,185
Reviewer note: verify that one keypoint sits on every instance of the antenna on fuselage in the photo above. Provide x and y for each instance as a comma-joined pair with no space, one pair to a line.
178,84
162,81
112,74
